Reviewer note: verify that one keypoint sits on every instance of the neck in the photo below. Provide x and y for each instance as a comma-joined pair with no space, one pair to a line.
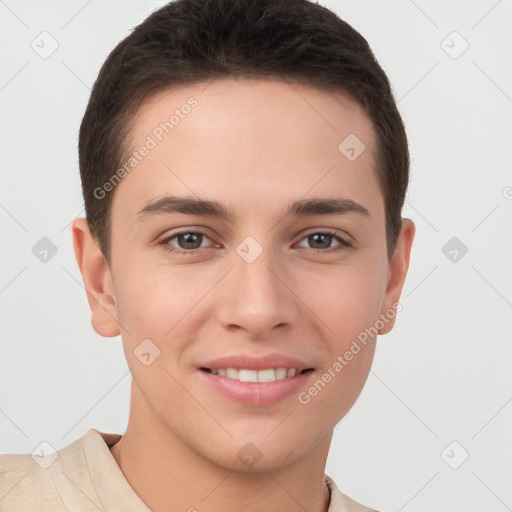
165,471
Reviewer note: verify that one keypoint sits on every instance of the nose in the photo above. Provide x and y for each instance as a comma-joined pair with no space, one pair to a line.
258,297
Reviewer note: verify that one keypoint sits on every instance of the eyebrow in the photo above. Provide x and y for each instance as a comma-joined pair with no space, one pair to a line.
300,208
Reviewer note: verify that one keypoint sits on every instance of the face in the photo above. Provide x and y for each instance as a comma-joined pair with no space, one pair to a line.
286,270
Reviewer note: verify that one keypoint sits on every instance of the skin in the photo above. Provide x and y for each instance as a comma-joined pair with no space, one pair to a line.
254,146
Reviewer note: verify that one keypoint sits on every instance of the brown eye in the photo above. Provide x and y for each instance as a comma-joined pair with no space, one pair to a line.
323,242
189,240
320,240
186,242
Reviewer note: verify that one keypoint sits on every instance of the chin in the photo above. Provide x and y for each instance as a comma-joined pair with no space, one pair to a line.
266,462
257,454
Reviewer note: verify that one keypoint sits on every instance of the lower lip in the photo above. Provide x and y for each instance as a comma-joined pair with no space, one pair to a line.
257,393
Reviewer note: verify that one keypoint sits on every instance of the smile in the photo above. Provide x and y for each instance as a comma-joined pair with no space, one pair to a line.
247,375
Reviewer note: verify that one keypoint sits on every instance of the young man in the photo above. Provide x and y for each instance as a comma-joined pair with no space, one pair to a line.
244,167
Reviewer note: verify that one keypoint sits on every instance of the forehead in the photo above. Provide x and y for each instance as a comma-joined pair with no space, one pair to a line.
262,108
250,142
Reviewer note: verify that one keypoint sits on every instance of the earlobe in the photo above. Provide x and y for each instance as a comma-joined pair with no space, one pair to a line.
398,267
97,280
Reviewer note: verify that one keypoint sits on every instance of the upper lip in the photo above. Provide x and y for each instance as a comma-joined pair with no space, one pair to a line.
246,361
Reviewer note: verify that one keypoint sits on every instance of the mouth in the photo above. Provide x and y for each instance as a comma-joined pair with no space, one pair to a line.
256,379
249,375
256,388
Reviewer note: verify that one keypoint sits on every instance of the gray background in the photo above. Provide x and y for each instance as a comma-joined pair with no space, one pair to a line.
441,376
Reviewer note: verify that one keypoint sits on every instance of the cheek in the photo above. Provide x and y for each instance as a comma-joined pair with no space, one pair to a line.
346,300
156,300
144,304
347,304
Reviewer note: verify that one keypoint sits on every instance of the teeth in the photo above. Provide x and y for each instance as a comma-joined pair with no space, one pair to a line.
243,375
280,373
267,375
232,373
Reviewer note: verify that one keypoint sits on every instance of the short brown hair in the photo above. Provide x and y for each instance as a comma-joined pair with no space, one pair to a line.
191,41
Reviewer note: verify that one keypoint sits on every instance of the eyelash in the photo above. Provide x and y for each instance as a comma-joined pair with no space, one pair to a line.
343,245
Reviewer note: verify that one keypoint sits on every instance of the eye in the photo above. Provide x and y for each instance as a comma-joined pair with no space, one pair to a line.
322,240
188,242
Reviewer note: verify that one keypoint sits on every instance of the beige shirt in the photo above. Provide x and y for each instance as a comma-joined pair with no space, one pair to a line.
83,477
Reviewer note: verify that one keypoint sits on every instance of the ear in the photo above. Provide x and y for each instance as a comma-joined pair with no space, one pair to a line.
97,280
398,267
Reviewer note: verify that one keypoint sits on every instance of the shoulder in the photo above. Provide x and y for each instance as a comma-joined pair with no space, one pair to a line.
25,484
43,481
340,502
15,462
